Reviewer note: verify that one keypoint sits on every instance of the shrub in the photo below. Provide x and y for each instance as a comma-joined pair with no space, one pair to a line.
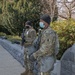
66,33
2,34
13,38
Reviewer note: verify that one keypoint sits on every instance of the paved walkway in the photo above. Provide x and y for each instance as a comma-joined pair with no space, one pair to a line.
8,65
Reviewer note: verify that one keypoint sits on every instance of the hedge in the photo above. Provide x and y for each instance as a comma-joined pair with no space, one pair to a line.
66,32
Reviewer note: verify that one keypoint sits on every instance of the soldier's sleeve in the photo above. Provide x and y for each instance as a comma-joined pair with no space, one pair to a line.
47,47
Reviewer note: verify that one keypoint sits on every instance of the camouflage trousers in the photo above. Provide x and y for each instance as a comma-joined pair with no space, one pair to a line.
29,65
27,62
46,65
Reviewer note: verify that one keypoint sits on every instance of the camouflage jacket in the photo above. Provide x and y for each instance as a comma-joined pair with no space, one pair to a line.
48,43
30,35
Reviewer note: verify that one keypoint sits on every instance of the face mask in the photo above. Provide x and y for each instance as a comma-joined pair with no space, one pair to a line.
41,24
27,27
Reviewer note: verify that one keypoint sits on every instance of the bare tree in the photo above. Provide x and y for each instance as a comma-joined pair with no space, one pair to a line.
49,7
66,8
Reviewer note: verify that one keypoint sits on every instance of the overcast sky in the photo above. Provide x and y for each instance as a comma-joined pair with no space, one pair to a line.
68,0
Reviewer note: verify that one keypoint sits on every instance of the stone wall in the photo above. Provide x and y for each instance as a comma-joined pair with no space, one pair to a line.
14,49
68,62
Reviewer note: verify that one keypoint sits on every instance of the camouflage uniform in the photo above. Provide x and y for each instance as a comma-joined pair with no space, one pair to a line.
46,54
30,35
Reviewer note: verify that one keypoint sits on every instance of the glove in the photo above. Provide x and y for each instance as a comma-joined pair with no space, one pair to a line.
32,58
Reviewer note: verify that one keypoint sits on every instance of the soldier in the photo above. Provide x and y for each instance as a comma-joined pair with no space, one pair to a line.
29,36
49,45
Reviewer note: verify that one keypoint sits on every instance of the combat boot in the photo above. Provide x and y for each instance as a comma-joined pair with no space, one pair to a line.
30,72
27,72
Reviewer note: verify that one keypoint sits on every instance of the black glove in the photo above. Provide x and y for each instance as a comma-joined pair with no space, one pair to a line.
32,58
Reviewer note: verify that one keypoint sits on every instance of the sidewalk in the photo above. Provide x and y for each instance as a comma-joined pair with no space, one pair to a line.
8,65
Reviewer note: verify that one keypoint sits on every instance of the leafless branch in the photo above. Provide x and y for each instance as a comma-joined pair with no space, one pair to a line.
68,8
